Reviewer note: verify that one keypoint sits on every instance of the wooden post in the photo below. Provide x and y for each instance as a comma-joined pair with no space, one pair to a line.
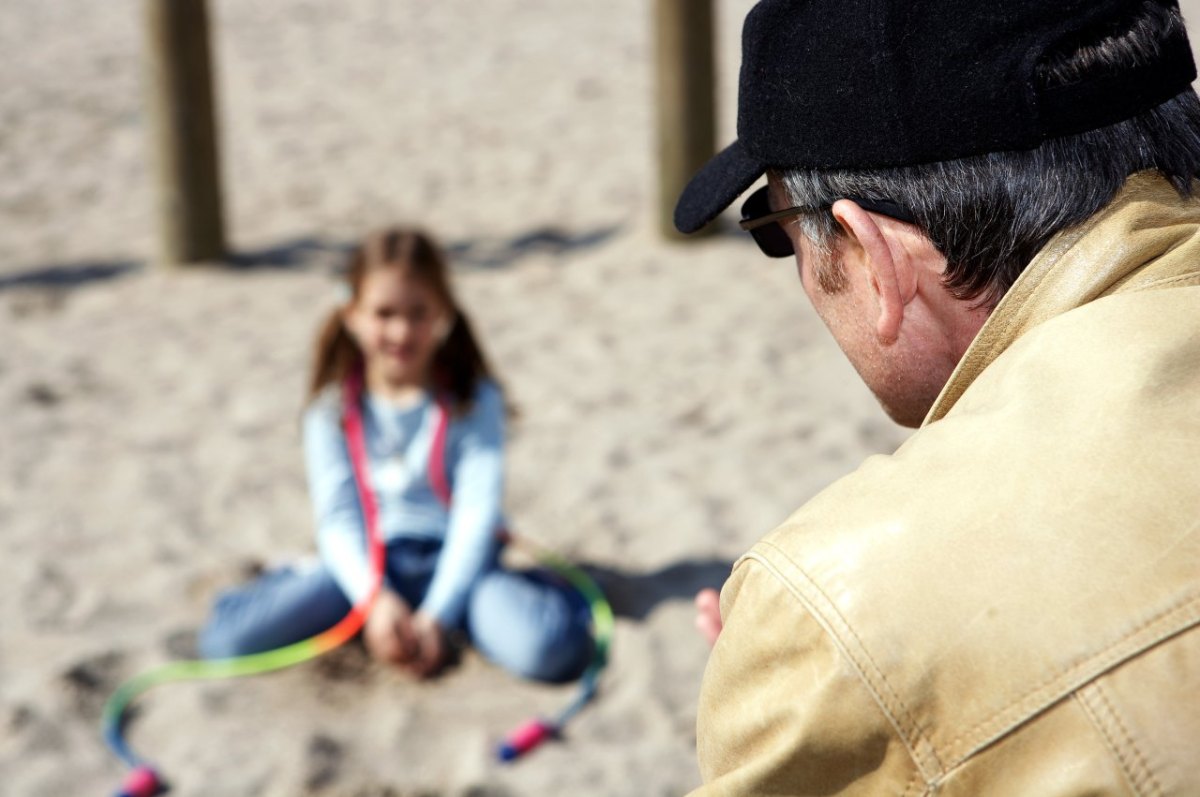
179,78
686,105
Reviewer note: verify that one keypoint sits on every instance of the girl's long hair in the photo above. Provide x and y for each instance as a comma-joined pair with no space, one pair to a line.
459,362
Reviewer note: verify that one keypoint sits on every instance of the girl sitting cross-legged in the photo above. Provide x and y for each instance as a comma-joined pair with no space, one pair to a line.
432,412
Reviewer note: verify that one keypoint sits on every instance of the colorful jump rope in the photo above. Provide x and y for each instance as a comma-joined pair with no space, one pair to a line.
144,781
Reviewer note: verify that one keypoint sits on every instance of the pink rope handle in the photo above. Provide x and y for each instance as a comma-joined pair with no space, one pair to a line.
525,738
142,781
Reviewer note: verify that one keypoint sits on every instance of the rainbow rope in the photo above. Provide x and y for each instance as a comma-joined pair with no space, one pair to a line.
143,780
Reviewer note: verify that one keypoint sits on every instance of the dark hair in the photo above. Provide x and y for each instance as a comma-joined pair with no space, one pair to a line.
459,362
989,215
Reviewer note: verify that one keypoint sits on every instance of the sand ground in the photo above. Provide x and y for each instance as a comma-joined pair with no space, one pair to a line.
676,401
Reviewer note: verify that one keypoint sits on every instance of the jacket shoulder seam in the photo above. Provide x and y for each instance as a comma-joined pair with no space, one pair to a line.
1191,278
805,589
1175,619
1107,721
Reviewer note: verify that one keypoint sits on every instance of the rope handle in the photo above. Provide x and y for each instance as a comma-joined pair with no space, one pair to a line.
525,738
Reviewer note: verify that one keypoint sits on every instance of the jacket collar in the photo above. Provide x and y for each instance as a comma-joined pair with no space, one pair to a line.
1147,234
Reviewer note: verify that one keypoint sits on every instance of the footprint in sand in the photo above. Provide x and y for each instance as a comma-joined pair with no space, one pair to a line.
48,597
90,681
324,762
38,733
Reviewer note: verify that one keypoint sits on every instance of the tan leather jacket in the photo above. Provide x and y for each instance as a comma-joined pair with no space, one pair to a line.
1008,605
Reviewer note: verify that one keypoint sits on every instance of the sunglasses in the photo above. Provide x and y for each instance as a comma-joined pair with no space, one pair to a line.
763,223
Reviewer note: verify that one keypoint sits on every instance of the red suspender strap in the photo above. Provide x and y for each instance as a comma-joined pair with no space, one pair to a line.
437,459
437,452
356,444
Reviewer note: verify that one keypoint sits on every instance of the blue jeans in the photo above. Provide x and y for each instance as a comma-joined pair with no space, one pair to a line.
529,623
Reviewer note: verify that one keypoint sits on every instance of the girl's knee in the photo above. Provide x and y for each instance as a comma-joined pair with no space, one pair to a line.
529,628
215,642
539,658
282,606
229,631
565,660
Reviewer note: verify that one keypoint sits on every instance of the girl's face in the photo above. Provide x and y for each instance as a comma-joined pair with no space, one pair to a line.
398,322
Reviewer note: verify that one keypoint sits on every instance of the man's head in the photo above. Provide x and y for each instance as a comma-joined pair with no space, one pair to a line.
969,134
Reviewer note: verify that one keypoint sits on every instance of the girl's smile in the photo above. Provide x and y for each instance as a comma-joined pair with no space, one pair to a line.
398,323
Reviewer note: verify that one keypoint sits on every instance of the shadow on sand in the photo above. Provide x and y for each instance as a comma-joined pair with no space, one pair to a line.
65,276
635,595
469,253
301,253
490,253
314,252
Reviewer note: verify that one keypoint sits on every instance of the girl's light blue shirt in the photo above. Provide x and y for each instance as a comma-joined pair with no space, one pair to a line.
399,440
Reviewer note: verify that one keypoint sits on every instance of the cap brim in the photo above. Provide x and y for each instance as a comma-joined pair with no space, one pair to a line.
715,186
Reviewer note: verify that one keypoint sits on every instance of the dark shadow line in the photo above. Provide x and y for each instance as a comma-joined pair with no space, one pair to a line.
469,253
485,253
314,251
298,253
68,275
635,595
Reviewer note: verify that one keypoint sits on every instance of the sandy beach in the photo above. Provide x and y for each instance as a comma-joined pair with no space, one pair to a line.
676,400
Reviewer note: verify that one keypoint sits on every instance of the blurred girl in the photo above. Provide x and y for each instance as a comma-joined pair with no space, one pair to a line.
405,333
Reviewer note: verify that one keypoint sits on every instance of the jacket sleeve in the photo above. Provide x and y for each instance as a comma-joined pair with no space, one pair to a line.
341,529
477,483
782,711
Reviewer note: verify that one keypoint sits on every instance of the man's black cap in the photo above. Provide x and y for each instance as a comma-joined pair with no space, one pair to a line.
829,84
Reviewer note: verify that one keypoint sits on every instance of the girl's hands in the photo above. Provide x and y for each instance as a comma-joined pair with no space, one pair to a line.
388,632
395,635
431,646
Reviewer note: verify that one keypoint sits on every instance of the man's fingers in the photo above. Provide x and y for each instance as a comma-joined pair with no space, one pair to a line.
708,615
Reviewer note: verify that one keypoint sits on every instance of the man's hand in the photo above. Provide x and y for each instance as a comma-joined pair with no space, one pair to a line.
708,615
388,632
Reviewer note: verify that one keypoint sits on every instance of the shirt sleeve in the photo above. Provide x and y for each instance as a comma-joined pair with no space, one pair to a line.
477,485
341,530
782,710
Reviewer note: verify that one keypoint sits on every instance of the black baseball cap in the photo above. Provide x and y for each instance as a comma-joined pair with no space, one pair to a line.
829,84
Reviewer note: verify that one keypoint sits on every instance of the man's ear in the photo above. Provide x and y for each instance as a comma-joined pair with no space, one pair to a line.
889,272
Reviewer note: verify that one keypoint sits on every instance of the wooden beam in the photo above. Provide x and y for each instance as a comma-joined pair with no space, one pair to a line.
183,132
685,98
